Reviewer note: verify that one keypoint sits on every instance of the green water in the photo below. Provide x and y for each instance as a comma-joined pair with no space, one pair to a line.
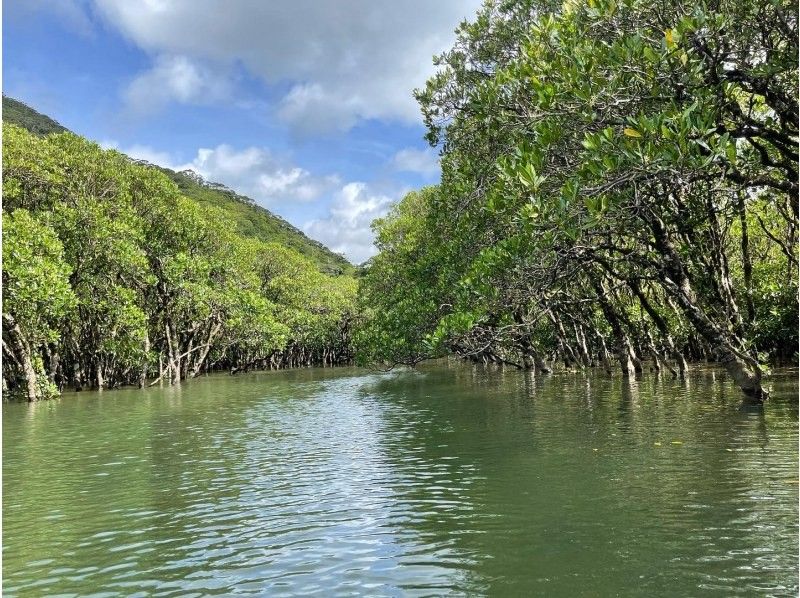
450,480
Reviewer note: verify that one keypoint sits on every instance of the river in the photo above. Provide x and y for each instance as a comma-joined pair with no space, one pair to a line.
449,480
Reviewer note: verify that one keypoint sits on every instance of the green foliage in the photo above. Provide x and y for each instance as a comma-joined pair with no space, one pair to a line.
256,222
403,291
616,175
249,219
36,285
26,117
109,270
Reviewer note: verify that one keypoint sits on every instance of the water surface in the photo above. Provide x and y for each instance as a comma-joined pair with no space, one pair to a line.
448,480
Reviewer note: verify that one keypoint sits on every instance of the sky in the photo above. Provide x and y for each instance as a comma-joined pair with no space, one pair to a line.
304,105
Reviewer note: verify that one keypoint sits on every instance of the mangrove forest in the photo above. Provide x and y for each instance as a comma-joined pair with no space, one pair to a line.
619,184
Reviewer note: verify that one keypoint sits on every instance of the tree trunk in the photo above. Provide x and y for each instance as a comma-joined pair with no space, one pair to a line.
201,359
531,358
660,323
605,357
22,352
744,370
143,371
580,340
567,354
186,361
747,263
623,345
174,365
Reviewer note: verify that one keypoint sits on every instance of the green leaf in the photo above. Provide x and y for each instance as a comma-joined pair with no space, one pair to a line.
730,151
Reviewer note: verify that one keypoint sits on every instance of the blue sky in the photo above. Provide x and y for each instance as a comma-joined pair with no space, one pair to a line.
304,105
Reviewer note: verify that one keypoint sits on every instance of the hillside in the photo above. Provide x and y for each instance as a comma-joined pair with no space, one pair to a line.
20,114
254,221
251,220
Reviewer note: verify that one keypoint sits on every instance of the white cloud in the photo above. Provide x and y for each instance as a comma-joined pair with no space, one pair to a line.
142,152
340,62
424,162
254,172
176,78
311,109
257,173
347,229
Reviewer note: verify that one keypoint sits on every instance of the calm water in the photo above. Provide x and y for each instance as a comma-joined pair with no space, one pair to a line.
450,480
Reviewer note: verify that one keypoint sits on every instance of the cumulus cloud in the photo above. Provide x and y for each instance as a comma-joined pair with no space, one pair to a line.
347,229
258,173
340,62
142,152
424,162
176,78
310,109
252,171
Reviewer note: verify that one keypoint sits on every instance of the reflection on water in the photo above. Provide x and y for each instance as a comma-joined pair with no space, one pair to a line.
447,480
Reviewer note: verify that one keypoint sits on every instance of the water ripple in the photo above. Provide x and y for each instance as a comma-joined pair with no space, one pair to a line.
445,481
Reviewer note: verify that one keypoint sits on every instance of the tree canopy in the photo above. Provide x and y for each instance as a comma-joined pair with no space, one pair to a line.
111,276
618,177
619,189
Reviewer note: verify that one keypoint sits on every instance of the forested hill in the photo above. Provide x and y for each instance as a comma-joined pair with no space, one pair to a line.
26,117
113,276
251,220
254,221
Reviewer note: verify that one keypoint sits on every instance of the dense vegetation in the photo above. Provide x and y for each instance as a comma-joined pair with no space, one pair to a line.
619,184
112,276
26,117
619,178
254,221
251,220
